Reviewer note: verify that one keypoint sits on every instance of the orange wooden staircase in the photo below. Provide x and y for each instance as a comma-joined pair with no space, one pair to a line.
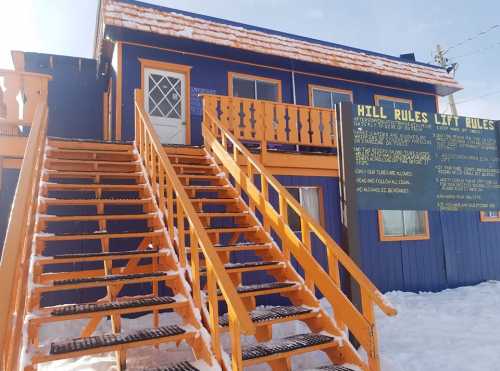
188,236
101,188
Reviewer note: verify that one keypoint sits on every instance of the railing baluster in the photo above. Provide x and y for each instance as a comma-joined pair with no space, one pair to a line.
369,314
306,240
234,329
213,307
283,211
181,237
195,266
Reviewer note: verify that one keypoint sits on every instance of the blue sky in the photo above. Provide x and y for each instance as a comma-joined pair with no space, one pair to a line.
388,26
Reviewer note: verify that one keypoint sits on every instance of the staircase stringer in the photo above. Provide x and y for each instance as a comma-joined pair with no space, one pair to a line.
15,261
201,343
230,152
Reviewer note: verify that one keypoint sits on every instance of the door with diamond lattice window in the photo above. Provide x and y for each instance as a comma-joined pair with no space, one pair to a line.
165,102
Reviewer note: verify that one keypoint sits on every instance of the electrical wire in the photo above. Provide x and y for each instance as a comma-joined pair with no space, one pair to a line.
477,51
479,34
479,97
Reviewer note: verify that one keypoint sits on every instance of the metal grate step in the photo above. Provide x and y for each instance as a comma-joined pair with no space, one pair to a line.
92,308
262,287
109,340
106,254
333,368
269,314
284,345
116,277
181,366
130,230
245,265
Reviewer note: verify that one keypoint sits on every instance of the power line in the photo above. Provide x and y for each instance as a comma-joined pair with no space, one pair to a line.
479,97
479,34
477,51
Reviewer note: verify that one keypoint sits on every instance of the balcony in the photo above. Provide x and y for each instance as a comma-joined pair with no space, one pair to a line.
287,138
20,93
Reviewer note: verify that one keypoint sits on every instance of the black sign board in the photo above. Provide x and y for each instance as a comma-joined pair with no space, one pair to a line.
415,160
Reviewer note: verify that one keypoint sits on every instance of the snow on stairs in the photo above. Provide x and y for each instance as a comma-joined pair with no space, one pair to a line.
98,228
235,230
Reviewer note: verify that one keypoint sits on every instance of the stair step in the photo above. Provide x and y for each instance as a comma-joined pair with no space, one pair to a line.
201,176
181,366
286,345
96,236
252,228
240,247
271,314
109,278
115,305
195,166
105,254
264,288
77,218
99,257
91,174
51,161
93,201
91,187
110,340
208,188
333,368
249,266
137,230
224,215
215,200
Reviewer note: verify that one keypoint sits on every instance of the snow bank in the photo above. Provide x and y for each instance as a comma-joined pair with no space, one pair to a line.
452,330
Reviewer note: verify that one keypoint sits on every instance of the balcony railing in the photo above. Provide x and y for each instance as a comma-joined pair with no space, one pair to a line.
272,125
20,93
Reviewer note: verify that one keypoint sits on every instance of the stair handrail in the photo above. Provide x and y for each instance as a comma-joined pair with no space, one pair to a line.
16,252
238,313
217,139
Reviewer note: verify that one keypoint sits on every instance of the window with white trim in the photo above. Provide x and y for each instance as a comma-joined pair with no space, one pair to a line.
309,199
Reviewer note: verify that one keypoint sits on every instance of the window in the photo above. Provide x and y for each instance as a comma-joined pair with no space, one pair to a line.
254,87
490,216
310,199
324,97
393,102
398,225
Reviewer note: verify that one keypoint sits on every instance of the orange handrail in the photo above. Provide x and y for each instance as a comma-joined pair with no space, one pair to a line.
217,138
273,122
14,263
169,190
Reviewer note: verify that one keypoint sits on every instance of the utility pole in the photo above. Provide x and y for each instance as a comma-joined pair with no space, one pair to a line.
443,62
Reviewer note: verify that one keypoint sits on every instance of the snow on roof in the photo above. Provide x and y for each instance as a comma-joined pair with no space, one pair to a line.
164,21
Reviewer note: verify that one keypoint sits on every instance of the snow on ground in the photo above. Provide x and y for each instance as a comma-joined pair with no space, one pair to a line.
453,330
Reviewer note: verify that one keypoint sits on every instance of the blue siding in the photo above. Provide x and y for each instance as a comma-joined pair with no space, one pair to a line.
212,74
75,94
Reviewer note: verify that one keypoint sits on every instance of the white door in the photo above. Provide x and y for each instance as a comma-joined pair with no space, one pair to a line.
165,102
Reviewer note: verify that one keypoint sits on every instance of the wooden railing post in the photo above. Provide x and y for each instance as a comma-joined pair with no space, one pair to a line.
213,307
369,314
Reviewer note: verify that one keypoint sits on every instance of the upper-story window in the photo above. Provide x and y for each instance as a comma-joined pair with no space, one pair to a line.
325,97
393,102
254,87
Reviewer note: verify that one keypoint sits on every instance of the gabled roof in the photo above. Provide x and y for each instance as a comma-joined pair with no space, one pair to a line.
169,22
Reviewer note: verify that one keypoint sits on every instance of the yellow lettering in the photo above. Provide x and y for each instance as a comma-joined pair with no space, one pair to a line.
382,113
361,110
425,118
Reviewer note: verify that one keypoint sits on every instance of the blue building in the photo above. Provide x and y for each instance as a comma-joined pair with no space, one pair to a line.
275,93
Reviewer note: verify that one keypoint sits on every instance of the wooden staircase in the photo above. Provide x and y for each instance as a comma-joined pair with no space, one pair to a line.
246,248
102,251
137,245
